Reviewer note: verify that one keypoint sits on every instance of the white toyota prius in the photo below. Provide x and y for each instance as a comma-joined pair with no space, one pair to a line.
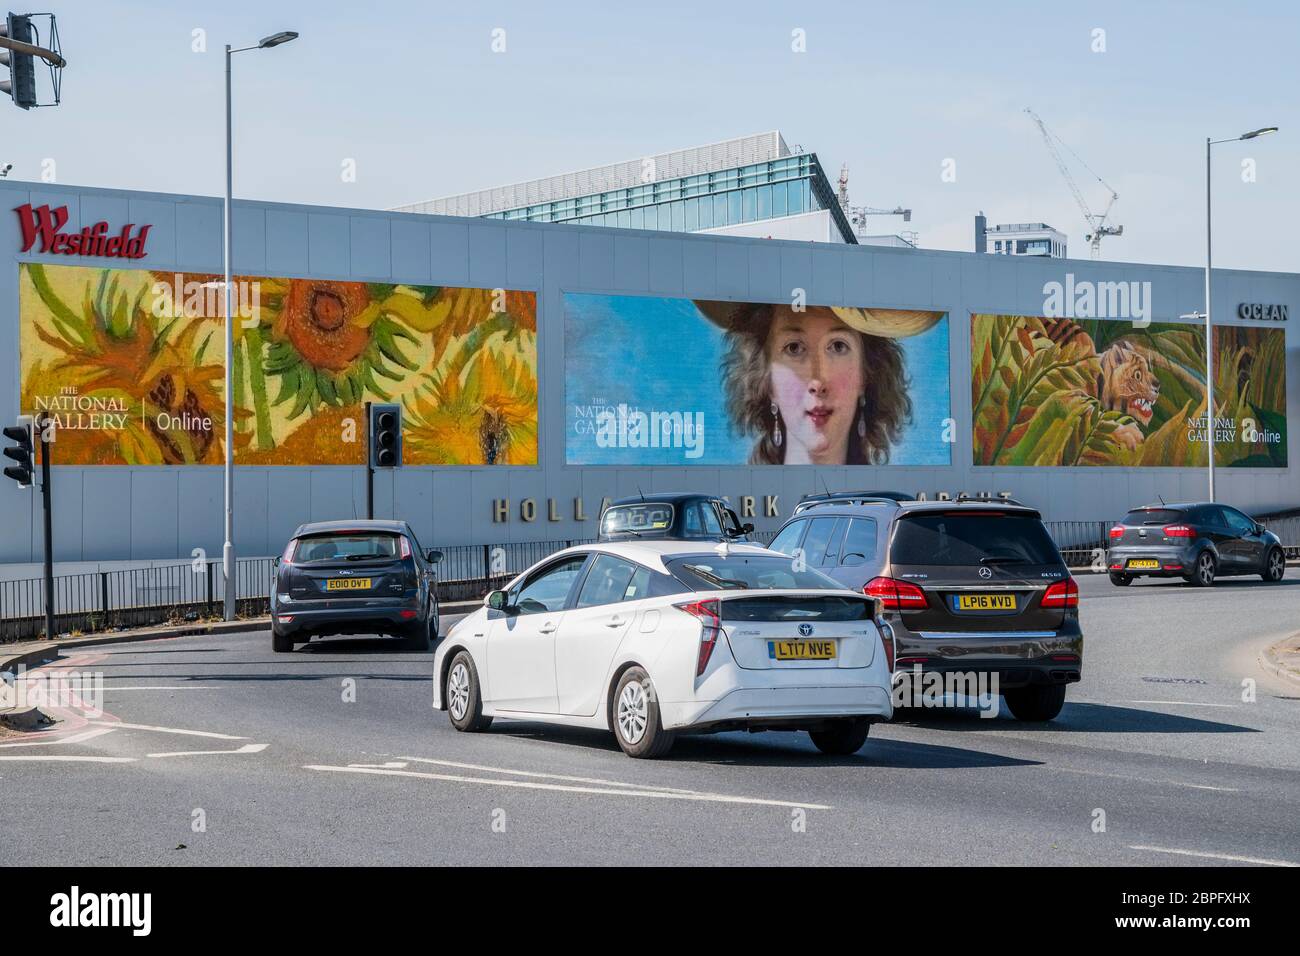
649,639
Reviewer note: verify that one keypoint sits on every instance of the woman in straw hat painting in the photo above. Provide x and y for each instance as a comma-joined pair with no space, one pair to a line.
824,385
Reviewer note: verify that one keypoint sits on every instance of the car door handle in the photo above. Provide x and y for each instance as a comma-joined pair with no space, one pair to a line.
615,621
547,628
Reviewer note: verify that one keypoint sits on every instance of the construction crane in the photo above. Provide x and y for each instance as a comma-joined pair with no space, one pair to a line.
1100,228
857,215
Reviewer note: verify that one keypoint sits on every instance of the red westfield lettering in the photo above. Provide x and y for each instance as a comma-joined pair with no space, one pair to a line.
46,224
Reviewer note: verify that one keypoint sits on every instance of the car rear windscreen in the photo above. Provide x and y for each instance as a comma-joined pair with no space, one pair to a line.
798,608
950,539
1153,516
714,572
641,517
345,547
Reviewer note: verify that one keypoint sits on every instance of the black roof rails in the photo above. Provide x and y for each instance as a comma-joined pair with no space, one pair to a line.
843,495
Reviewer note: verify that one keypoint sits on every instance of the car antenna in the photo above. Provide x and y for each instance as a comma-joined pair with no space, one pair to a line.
640,492
824,486
1162,498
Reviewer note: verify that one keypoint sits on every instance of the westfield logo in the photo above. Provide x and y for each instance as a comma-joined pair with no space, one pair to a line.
45,224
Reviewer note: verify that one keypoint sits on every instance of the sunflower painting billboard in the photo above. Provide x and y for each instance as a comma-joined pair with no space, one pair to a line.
1070,392
130,364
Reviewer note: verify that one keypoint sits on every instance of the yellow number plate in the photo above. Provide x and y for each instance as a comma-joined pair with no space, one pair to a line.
347,584
1143,563
986,602
801,650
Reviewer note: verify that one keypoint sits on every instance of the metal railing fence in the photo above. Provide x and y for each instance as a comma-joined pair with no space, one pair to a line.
190,591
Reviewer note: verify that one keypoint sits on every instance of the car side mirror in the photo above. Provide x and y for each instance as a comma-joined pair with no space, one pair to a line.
277,560
497,600
747,527
433,557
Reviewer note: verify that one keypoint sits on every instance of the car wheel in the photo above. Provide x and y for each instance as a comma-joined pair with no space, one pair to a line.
1036,703
846,737
281,643
634,713
1274,566
464,699
1202,575
1121,580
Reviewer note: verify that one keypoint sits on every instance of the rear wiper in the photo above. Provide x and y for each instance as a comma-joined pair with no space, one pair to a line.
1002,559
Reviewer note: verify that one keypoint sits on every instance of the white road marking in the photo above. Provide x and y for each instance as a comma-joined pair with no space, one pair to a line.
527,785
550,776
74,739
390,765
110,687
246,749
1170,783
169,730
65,757
1214,856
1181,703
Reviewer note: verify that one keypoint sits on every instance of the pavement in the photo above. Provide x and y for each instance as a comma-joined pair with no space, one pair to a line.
1178,747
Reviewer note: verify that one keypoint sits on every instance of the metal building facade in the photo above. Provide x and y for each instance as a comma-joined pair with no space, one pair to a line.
115,512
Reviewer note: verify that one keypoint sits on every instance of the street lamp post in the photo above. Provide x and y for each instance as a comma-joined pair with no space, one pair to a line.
228,548
1209,327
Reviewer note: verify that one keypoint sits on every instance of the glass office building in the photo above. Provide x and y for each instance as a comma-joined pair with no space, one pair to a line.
705,189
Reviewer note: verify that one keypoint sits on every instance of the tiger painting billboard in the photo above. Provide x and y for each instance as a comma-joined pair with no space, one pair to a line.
1077,392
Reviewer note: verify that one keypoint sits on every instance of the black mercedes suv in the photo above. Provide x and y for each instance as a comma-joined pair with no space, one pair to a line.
969,587
354,577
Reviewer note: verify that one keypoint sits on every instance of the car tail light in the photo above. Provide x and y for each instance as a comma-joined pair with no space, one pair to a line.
407,615
1061,594
406,546
895,595
1116,532
285,618
287,557
887,641
1180,531
1117,566
710,628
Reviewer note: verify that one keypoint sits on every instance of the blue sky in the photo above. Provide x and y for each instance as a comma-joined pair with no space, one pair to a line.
414,94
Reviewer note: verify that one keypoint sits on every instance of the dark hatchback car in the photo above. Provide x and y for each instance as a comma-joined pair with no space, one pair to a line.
680,515
1196,541
354,577
974,587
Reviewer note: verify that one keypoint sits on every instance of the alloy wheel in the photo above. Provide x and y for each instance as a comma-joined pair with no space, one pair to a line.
458,691
633,712
1205,569
1276,566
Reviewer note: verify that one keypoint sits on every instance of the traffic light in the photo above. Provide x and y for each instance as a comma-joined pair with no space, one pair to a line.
21,84
21,451
385,436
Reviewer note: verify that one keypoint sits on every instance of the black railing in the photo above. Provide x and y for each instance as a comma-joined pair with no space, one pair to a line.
191,591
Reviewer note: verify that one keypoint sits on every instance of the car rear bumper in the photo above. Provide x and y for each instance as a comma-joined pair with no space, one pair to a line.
1019,658
794,699
396,619
1173,561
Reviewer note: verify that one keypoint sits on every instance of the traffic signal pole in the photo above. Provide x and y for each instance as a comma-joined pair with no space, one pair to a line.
370,468
46,446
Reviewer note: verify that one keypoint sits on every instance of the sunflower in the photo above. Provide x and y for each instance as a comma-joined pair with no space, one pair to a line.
479,405
329,341
150,367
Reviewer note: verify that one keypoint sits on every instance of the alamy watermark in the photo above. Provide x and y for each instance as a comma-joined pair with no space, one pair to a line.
1085,299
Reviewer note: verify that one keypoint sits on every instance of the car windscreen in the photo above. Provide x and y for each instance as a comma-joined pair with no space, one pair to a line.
643,517
1153,516
345,547
953,539
715,572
